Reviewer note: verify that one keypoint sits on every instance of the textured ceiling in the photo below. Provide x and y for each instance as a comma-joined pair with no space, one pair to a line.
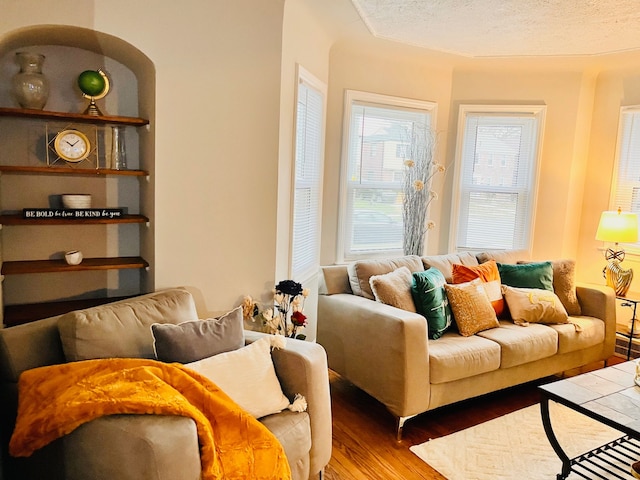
481,28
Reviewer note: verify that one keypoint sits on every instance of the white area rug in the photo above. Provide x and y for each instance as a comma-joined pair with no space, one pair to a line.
514,446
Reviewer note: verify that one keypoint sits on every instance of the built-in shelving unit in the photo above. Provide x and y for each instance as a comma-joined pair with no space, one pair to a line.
15,314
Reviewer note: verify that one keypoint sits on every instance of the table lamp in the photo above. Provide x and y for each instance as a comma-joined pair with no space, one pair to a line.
617,227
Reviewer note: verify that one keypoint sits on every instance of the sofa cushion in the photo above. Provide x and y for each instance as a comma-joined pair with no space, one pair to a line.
454,357
488,273
532,305
504,256
122,329
394,288
362,270
431,301
445,263
471,308
293,431
527,275
571,339
519,345
197,339
238,373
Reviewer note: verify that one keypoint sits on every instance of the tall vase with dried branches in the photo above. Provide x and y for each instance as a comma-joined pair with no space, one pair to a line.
419,170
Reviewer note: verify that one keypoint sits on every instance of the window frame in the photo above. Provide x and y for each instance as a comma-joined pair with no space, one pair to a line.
538,112
303,76
375,100
630,248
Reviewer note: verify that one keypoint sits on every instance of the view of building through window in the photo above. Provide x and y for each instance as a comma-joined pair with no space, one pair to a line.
379,141
494,196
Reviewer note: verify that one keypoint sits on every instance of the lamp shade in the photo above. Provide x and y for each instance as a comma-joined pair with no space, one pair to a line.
618,227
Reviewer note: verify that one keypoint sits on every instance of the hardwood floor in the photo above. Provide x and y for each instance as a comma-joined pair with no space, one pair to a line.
364,443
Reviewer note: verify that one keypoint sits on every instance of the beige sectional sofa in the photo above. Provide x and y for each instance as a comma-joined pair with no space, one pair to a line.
386,351
151,447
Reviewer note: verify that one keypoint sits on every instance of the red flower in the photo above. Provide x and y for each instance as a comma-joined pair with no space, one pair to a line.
299,319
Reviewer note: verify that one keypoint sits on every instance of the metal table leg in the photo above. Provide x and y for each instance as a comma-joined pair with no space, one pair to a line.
546,422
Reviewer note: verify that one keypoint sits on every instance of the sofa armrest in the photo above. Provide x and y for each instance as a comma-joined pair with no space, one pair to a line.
599,301
379,348
302,368
124,447
135,447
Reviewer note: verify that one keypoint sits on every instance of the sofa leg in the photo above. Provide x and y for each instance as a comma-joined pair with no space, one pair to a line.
400,425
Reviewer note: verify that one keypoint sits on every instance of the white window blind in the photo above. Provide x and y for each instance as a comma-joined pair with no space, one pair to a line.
625,192
309,148
378,135
496,177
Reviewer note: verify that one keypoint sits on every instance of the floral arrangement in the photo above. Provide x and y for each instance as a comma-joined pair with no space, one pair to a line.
419,171
285,317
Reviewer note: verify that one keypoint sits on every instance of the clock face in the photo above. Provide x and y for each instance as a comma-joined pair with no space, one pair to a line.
72,145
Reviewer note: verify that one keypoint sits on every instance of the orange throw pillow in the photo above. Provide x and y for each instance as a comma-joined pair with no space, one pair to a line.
488,273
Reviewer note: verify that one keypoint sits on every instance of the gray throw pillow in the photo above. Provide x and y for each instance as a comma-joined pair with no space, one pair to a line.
194,340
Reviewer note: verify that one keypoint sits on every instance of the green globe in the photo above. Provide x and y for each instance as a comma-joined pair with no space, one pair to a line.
91,83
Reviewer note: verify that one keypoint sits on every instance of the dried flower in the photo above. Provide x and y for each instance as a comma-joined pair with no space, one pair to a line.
431,225
289,287
285,316
438,167
299,319
433,195
249,308
417,194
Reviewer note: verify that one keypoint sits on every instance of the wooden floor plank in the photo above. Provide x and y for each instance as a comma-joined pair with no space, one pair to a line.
364,442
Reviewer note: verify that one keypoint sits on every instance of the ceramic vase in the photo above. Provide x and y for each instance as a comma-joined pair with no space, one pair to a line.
30,86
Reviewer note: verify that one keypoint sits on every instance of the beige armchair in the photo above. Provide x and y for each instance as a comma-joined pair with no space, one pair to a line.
156,447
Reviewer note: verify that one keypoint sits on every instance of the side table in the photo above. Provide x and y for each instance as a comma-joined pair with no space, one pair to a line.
631,302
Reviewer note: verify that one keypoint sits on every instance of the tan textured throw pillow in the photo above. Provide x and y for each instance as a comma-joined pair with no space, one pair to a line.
531,305
471,307
362,270
394,289
564,285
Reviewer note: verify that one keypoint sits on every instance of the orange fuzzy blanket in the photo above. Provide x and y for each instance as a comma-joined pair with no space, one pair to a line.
55,400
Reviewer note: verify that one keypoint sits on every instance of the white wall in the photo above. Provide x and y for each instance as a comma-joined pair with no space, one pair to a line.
217,131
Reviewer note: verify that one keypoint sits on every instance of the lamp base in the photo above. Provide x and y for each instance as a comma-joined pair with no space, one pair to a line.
618,278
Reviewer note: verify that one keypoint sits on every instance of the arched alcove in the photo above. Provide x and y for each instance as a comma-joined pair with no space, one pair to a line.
69,50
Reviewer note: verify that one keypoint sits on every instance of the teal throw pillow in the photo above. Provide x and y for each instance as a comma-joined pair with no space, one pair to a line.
431,301
527,275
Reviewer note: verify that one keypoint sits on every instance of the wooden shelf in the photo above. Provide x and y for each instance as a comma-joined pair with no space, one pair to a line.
72,117
29,312
70,171
17,219
51,266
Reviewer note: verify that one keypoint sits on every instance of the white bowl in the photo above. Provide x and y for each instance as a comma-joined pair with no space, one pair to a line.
73,257
76,200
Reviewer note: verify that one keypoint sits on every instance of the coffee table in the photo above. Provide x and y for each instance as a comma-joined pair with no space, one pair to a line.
609,396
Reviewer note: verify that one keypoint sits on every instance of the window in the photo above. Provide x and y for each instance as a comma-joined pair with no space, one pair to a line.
494,202
371,184
625,191
309,148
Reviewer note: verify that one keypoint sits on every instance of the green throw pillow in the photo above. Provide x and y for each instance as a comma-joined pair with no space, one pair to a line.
527,275
431,301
